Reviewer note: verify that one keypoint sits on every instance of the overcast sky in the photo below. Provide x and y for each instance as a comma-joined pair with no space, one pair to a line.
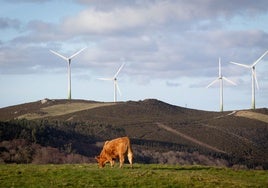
170,47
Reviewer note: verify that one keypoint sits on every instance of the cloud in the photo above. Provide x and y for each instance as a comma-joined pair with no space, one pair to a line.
172,84
100,22
153,14
37,32
26,1
115,16
227,39
8,23
166,39
138,17
28,60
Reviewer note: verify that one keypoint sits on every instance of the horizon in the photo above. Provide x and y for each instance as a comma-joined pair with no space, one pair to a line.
120,102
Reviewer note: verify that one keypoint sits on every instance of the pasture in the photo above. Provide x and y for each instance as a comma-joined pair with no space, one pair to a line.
152,175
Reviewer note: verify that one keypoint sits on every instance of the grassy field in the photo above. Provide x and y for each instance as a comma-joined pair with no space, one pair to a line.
88,175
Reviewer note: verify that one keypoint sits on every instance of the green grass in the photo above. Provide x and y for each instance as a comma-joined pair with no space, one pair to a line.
88,175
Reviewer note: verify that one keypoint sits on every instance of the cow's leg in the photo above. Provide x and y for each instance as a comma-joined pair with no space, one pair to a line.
110,159
130,159
121,159
112,162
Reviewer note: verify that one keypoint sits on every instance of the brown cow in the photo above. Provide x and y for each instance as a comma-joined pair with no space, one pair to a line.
113,149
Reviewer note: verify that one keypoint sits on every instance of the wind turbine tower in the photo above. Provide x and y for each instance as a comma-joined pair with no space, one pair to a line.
114,79
220,79
253,78
68,59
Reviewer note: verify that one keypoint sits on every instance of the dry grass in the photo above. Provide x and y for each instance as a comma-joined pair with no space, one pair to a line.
63,109
253,115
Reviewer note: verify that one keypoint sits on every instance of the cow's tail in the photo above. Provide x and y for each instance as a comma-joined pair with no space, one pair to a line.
130,153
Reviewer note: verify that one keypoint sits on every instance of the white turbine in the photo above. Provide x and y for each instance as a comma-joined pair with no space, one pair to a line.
114,79
220,79
68,59
253,77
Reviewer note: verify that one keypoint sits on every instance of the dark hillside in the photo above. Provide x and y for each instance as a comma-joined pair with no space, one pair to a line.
160,132
149,110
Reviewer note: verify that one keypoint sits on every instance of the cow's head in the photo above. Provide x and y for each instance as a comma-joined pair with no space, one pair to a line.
101,161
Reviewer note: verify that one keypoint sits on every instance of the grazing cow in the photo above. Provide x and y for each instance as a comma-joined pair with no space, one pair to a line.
113,149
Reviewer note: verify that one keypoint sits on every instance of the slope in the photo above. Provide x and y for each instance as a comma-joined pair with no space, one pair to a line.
155,128
47,108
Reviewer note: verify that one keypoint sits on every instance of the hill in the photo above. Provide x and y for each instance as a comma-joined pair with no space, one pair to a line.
74,131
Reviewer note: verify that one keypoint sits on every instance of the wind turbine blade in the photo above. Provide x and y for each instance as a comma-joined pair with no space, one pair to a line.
255,78
61,56
119,70
213,82
72,56
105,79
257,61
220,67
226,79
118,89
239,64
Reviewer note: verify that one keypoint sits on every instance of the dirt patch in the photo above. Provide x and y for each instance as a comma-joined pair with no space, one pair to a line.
252,115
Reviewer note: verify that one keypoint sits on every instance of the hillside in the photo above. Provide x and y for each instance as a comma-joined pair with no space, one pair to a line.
160,132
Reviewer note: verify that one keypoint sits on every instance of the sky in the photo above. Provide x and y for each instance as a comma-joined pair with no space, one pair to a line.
170,49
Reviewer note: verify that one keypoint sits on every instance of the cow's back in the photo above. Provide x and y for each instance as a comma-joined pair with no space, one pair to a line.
116,146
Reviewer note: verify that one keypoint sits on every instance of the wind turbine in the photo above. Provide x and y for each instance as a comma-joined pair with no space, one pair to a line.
114,79
68,59
220,79
253,77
